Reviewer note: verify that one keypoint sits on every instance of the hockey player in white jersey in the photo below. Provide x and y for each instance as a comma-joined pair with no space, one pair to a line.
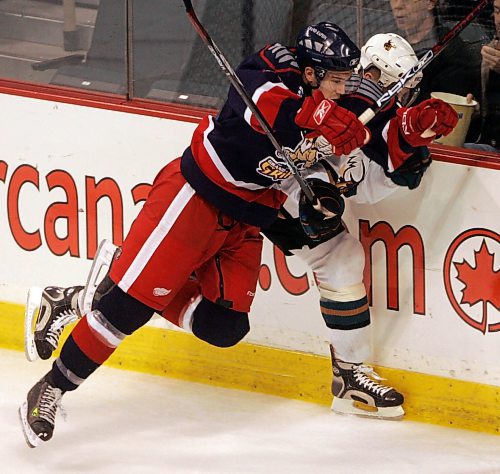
390,160
335,256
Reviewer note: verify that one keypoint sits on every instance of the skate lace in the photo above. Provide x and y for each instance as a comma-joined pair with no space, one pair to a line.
56,328
362,375
49,403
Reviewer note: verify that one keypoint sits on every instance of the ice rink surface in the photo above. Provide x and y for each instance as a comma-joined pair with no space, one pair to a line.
125,422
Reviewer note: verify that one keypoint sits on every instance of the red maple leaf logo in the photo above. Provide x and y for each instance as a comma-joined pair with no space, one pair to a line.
482,282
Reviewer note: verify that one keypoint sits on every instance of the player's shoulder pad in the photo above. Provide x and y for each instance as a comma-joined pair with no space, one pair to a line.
279,58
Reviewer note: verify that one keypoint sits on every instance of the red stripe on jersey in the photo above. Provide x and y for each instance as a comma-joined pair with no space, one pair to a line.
269,104
270,197
90,343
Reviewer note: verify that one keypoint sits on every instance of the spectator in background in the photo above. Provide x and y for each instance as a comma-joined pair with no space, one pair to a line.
457,69
490,87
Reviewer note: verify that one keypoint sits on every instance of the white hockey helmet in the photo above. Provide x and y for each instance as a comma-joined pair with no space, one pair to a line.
393,56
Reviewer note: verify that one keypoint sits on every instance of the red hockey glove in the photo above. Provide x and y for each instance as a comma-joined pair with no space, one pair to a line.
338,125
447,117
433,114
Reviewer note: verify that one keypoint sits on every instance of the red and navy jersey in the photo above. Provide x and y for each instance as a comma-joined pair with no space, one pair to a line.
231,163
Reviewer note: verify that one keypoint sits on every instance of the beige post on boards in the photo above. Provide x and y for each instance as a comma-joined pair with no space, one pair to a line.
464,110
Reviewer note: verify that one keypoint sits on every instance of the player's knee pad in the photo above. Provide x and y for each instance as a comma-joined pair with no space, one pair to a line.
219,326
348,267
345,308
123,311
338,262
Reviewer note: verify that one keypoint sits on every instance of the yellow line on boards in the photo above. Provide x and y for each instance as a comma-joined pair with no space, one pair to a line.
285,373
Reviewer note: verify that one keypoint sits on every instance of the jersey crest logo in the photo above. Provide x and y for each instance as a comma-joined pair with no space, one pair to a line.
161,291
270,168
321,111
351,174
308,152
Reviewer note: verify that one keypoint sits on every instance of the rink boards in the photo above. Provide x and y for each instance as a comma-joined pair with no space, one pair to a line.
72,175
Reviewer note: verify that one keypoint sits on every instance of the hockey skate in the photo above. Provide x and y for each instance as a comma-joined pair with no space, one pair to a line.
50,310
38,412
356,391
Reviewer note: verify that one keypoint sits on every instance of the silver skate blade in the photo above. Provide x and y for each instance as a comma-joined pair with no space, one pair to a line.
100,266
343,406
32,440
31,311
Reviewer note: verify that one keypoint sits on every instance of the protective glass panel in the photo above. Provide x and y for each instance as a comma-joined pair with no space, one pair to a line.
182,69
83,44
72,43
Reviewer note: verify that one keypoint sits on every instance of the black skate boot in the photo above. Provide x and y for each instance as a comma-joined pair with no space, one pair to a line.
356,391
38,412
48,312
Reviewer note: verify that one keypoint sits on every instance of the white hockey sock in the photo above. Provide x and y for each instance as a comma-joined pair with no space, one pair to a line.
352,345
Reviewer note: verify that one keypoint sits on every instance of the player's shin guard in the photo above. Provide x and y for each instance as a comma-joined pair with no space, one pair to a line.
96,336
90,344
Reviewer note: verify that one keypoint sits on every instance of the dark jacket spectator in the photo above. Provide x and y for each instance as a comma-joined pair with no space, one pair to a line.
457,68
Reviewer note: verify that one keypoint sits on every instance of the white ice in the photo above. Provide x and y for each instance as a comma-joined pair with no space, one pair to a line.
125,422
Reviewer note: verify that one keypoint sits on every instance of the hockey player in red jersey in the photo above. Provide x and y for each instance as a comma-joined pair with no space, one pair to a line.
59,302
227,181
395,156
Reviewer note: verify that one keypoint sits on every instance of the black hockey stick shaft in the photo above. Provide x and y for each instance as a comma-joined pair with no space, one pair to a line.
384,99
240,89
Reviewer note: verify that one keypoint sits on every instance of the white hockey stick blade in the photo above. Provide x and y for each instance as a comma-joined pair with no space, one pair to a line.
100,266
31,311
351,407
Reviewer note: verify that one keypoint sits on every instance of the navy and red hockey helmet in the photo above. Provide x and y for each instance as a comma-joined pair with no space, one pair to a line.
326,47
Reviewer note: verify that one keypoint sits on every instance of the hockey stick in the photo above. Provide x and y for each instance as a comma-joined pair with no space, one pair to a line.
368,114
240,89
